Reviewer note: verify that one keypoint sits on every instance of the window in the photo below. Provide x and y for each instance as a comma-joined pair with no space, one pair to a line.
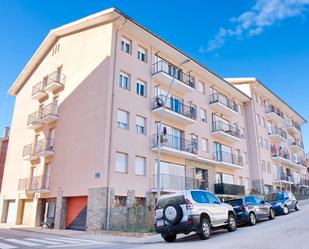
141,88
203,115
140,165
141,54
212,199
245,157
126,45
121,162
205,144
263,166
140,125
124,80
268,167
201,87
140,201
123,119
250,200
240,181
120,201
199,196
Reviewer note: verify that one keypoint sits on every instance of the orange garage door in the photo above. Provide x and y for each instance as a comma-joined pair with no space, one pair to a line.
76,213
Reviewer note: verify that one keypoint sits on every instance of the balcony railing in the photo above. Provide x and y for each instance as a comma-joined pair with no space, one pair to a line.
55,77
227,128
35,183
286,177
274,130
295,125
220,98
229,189
304,181
279,152
29,150
50,109
272,109
222,156
174,105
45,145
33,117
38,88
296,142
174,142
165,67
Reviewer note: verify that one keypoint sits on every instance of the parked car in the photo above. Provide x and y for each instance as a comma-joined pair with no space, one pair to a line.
250,209
192,210
282,202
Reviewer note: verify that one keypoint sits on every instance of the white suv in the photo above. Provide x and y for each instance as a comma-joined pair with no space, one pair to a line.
192,210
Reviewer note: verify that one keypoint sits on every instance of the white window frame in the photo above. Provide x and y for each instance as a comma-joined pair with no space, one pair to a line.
142,51
142,83
205,145
123,124
201,87
122,83
140,171
140,129
203,115
126,45
121,158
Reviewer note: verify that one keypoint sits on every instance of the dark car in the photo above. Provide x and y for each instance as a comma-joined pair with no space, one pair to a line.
282,202
250,209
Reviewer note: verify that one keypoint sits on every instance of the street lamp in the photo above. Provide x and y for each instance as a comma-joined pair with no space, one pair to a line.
160,127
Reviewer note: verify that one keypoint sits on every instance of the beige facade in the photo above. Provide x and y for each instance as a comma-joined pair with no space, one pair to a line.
85,126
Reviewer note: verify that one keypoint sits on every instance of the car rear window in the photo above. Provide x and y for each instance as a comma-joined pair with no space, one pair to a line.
236,202
199,196
177,200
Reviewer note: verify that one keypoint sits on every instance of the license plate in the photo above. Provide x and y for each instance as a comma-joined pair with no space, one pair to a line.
160,223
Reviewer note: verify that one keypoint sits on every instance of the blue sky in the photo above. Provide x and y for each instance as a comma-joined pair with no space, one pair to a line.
267,39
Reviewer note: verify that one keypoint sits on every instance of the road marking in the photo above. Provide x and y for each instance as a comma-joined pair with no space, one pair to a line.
43,241
78,240
81,244
63,240
6,246
22,242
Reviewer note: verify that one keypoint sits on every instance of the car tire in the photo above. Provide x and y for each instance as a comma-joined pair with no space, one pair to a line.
296,206
172,214
204,229
285,210
169,237
271,214
252,219
232,225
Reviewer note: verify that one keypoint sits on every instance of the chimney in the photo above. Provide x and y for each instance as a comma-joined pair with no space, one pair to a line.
6,131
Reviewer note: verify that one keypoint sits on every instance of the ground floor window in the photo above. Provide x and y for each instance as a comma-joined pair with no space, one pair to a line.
120,201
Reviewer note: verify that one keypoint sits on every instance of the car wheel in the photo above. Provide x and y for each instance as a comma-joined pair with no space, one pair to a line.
285,210
169,237
204,229
271,214
231,226
252,219
296,207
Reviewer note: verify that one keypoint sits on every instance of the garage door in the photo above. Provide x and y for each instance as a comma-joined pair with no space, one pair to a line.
27,212
76,213
10,219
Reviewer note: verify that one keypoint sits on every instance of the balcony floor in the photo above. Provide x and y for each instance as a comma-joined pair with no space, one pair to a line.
220,108
177,117
53,86
225,136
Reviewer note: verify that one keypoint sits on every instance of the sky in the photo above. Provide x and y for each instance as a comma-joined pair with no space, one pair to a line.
266,39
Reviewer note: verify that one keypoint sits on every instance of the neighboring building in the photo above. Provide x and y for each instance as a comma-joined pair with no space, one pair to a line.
85,127
277,158
4,141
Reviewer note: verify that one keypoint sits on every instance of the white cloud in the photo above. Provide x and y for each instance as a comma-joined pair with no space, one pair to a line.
263,14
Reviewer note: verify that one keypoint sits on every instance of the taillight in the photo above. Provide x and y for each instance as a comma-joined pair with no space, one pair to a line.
243,208
189,204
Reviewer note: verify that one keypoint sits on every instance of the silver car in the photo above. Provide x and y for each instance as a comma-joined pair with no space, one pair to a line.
192,210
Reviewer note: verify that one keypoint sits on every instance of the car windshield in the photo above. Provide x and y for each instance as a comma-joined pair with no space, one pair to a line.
274,197
177,200
236,202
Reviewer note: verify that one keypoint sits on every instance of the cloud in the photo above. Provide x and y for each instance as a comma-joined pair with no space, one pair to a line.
265,13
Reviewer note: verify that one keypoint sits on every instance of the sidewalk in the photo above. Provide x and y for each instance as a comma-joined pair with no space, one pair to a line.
111,237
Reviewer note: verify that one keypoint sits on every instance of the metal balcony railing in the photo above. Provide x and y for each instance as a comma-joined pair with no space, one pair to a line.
29,150
220,98
286,177
304,181
171,70
272,109
175,105
222,156
55,77
274,130
296,142
33,117
295,125
174,142
50,109
229,189
35,183
46,144
280,152
227,128
38,87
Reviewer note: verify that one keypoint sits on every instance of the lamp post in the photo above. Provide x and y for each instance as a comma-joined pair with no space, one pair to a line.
160,128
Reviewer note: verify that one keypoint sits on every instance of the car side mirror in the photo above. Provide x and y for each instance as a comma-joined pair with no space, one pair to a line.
262,202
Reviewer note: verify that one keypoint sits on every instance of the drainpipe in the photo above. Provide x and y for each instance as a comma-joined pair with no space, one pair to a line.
107,218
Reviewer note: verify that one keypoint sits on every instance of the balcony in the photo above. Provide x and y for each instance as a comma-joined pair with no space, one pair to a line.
274,114
29,152
174,109
297,162
284,178
277,135
281,155
45,147
35,184
228,160
304,182
55,82
38,91
225,131
229,189
176,146
222,104
296,146
49,113
33,121
164,72
293,127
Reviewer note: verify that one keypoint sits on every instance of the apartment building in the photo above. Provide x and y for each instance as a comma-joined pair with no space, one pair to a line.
277,158
4,141
85,127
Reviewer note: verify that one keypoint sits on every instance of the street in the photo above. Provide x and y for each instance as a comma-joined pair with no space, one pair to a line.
285,232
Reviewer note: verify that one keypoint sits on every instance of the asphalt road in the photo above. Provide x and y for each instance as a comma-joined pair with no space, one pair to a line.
284,232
